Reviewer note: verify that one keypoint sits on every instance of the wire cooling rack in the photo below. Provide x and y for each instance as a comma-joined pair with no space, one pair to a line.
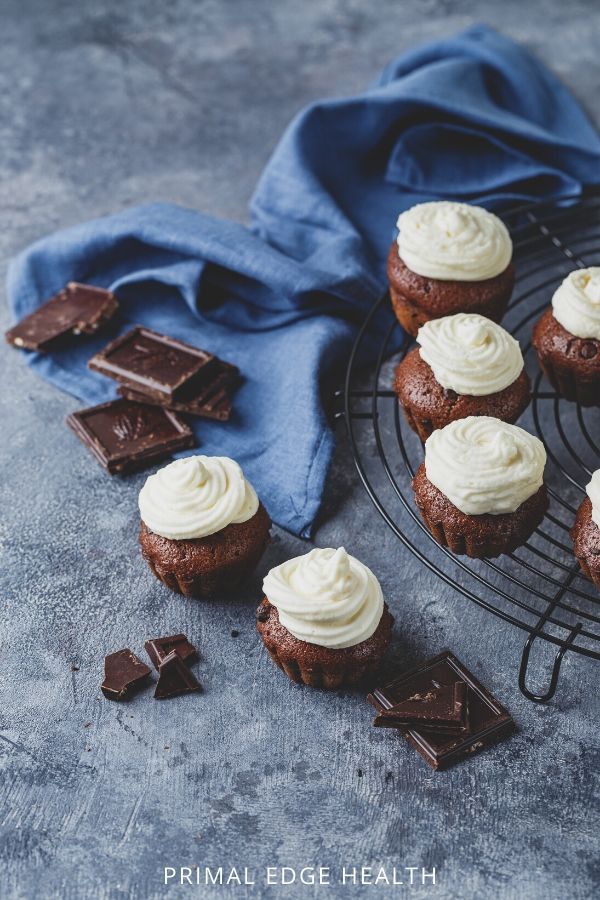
538,588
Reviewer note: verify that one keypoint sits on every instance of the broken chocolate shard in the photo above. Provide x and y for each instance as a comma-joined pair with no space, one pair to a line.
442,709
174,678
160,367
125,436
488,720
75,310
124,673
159,648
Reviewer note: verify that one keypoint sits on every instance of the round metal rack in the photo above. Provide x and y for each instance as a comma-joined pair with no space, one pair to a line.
539,588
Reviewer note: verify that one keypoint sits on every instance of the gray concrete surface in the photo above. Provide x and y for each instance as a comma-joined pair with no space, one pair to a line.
107,104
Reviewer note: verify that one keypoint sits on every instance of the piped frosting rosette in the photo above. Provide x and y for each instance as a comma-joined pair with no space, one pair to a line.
195,497
483,465
593,492
453,241
326,597
470,354
576,303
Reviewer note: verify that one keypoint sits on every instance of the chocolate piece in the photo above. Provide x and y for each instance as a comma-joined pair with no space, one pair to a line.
489,721
160,367
125,436
174,678
211,402
159,648
123,674
442,710
77,309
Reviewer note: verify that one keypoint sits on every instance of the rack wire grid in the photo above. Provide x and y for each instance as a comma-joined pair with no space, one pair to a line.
538,588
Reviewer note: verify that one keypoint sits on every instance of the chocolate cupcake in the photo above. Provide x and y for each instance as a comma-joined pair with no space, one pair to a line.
480,490
203,528
323,619
567,338
449,258
585,533
466,365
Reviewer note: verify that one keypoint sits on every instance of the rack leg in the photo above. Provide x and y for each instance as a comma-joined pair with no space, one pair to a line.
543,698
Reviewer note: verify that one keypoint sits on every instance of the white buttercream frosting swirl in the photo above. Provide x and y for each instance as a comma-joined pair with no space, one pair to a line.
195,497
593,492
483,465
470,354
453,241
576,303
326,597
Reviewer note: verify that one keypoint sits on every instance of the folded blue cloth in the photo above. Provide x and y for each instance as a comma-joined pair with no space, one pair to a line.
472,117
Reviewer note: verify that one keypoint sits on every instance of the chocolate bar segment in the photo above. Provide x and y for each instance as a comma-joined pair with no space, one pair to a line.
212,401
125,436
160,367
442,710
218,407
159,648
124,673
174,678
77,309
488,722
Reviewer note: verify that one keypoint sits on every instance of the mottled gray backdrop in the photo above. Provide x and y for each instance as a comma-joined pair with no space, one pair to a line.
107,104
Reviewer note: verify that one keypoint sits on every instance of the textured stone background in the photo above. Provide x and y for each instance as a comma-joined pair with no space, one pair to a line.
107,104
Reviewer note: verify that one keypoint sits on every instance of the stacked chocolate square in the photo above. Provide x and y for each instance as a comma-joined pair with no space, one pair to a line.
442,710
156,369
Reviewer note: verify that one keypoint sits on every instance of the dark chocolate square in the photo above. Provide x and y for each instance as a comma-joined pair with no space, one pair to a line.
125,436
489,721
158,366
76,309
217,407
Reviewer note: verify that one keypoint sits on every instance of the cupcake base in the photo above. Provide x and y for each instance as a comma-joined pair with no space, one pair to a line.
585,535
322,667
427,405
571,364
476,536
416,299
215,564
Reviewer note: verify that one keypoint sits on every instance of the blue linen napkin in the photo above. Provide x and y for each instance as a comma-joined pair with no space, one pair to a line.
473,117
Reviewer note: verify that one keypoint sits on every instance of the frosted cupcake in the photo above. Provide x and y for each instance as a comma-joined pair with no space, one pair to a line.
466,365
203,528
448,258
585,533
567,338
481,488
323,619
